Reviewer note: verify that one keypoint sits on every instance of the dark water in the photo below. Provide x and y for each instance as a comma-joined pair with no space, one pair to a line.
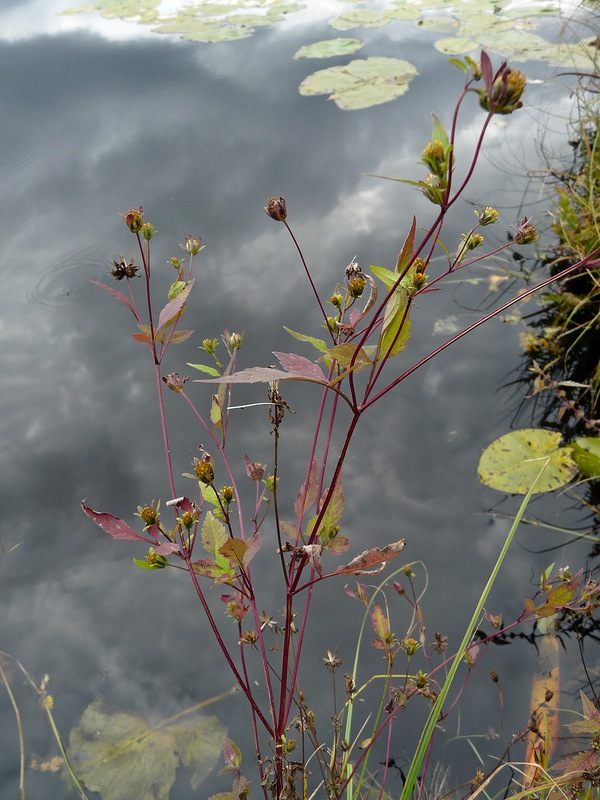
201,136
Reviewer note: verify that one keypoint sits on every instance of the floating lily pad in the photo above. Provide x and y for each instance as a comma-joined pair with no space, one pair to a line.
143,11
586,454
361,83
363,18
124,757
513,462
455,45
327,48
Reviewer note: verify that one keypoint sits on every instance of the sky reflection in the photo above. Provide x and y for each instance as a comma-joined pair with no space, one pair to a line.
201,136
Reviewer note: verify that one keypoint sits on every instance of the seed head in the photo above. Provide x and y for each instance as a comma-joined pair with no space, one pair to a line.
173,382
276,209
254,470
434,157
123,269
502,92
525,232
356,286
227,494
149,514
134,219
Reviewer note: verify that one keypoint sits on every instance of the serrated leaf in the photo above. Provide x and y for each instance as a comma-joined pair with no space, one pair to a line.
299,365
114,526
307,494
174,307
261,375
348,354
234,551
513,462
377,557
214,534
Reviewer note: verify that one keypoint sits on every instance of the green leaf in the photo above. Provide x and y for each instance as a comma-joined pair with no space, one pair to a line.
512,462
344,353
203,368
318,344
367,18
327,48
214,534
586,454
123,756
361,83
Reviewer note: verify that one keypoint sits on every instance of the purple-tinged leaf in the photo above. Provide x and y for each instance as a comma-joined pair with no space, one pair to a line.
309,493
261,375
180,336
486,71
288,528
166,548
313,551
376,557
234,550
338,544
299,365
207,568
114,526
141,337
174,307
118,295
253,546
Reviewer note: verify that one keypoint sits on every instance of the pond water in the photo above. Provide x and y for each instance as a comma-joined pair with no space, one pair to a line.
100,115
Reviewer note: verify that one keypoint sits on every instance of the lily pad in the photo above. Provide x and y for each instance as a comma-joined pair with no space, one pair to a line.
361,83
455,45
513,462
327,48
586,454
363,18
124,757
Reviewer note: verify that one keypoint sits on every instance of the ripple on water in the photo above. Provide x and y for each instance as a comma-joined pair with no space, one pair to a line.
65,281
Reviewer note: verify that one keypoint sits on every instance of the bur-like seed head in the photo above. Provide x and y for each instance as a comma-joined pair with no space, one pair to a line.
254,470
124,269
276,209
502,94
525,232
134,219
434,157
175,262
173,382
210,345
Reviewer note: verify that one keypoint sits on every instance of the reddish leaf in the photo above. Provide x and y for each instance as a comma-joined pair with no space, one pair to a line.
180,336
174,307
377,557
114,526
301,507
252,547
300,365
141,337
234,550
260,375
167,548
115,294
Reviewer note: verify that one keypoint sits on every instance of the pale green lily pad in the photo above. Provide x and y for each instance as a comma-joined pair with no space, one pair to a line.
144,11
203,30
586,454
438,24
513,462
404,12
123,757
455,45
363,18
327,48
361,83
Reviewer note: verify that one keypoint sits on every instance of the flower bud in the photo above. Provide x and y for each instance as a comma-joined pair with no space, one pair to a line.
356,286
276,209
410,645
192,246
156,561
434,157
175,262
147,230
204,469
148,514
488,216
494,676
209,345
227,494
134,219
503,95
332,324
235,340
336,300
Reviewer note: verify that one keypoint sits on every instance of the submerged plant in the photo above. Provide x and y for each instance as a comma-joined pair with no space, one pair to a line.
214,537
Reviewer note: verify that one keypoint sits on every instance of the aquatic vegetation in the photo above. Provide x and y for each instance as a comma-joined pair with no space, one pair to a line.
495,25
232,509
